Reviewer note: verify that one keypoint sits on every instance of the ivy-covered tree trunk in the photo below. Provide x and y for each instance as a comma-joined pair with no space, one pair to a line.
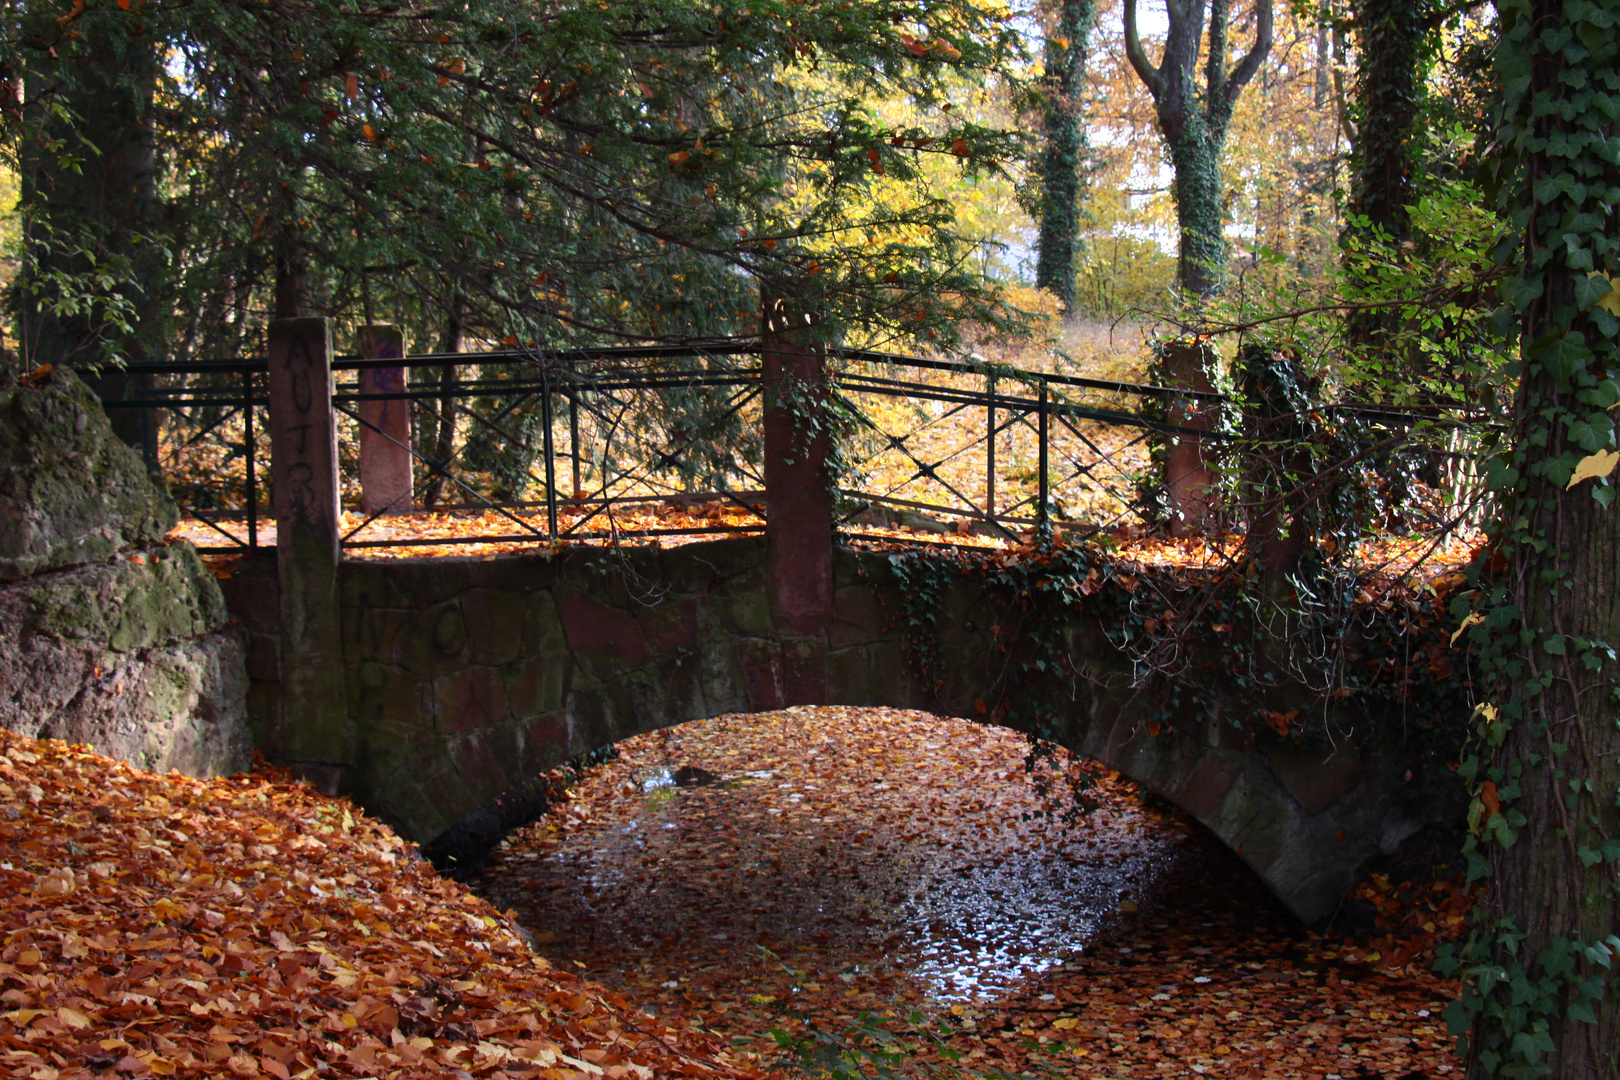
1063,156
1196,161
1388,96
1540,995
1193,120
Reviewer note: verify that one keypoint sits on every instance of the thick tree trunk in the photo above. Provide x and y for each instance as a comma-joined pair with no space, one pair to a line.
1063,157
1542,968
1388,88
1542,883
1196,158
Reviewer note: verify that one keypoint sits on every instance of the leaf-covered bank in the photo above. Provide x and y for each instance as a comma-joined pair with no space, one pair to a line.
153,925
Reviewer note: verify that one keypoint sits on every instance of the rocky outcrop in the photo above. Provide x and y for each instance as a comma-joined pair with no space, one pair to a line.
108,635
70,493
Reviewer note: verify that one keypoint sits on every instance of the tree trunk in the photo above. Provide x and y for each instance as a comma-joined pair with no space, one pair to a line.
1541,989
1063,157
444,443
1541,884
1388,91
1196,159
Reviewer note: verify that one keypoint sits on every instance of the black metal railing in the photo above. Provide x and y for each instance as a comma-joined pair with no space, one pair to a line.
557,446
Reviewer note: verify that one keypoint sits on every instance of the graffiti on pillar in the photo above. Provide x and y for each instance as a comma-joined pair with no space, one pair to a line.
302,431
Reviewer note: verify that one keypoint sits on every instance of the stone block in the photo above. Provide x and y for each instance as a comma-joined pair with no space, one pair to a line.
762,673
537,685
372,635
252,596
495,620
849,676
804,670
713,565
547,735
263,657
601,635
378,692
526,574
417,582
386,583
175,706
721,682
1204,787
70,491
135,601
889,681
858,617
433,641
542,626
1316,776
670,628
467,700
743,607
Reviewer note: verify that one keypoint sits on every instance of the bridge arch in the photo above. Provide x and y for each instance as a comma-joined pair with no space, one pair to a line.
466,679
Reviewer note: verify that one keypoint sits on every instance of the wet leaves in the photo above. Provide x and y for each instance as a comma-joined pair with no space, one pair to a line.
160,926
874,862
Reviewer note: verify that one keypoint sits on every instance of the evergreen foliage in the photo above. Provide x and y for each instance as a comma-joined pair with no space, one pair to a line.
547,173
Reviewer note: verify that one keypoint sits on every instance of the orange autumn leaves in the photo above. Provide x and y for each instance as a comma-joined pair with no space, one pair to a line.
162,926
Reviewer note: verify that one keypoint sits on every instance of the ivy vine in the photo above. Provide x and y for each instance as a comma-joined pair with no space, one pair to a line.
1539,996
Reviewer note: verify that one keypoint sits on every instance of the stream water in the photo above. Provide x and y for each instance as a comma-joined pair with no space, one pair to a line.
848,861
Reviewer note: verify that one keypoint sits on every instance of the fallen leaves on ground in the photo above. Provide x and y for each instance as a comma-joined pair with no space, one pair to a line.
830,862
161,926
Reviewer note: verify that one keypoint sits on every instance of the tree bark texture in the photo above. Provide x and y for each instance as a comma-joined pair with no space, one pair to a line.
1552,905
1194,119
1542,882
1388,95
1063,158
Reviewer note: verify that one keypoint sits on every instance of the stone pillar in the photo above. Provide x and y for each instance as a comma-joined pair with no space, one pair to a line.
1194,501
385,429
799,514
314,738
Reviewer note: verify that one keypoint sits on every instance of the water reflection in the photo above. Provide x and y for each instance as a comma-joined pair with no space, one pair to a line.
816,870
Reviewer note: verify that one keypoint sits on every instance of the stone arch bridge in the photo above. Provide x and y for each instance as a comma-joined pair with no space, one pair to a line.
437,690
461,680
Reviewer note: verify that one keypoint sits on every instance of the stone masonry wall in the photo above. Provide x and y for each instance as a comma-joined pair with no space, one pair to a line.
466,678
108,635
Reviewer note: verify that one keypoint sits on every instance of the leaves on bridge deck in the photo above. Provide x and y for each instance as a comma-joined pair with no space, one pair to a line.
160,926
876,861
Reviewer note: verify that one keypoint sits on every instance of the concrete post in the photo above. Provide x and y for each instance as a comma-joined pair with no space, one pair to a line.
385,429
799,515
314,738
